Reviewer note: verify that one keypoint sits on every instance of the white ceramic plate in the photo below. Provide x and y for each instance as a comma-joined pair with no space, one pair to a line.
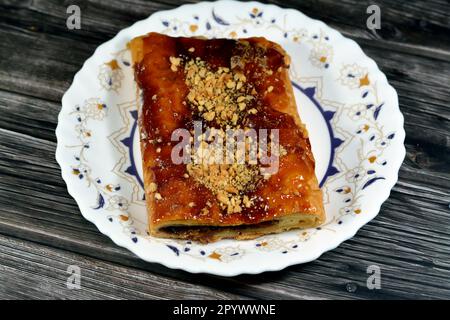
351,112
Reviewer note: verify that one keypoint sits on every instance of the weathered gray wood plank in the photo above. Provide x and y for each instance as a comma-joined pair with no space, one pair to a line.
39,115
418,24
408,235
422,85
408,23
31,271
409,240
102,20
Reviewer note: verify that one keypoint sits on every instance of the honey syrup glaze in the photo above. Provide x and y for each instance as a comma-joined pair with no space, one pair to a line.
165,109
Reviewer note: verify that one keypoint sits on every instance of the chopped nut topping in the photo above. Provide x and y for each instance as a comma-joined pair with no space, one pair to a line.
231,84
227,182
209,116
266,176
217,95
222,95
158,196
152,187
234,119
247,202
175,62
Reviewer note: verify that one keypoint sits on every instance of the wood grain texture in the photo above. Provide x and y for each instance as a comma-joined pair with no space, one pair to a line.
29,270
41,229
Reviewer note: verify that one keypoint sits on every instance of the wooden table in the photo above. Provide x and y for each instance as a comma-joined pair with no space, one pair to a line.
42,231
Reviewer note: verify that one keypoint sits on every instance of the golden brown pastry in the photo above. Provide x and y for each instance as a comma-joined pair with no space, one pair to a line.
226,84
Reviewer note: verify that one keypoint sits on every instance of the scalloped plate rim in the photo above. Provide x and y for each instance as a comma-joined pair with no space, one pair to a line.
242,269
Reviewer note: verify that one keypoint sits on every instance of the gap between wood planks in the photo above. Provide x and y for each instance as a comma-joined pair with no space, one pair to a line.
29,270
68,238
405,233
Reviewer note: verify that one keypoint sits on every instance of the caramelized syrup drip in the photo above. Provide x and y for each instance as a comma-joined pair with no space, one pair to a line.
165,109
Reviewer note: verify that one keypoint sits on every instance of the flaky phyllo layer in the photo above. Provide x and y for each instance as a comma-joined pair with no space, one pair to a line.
225,154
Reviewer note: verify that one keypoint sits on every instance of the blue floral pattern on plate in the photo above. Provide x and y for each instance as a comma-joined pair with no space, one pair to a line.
351,112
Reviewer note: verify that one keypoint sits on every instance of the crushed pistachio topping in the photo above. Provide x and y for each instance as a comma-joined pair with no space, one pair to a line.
220,95
223,96
174,63
152,187
158,196
227,182
229,174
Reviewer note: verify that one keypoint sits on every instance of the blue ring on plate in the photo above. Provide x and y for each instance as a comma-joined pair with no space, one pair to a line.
309,92
128,142
327,116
